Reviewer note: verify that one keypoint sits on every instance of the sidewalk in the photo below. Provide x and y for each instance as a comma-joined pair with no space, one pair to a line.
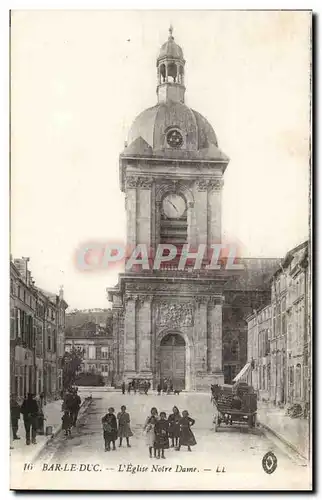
292,431
26,454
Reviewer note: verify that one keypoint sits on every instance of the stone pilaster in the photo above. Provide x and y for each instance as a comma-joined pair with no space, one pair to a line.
192,225
144,211
215,323
130,334
144,333
201,334
201,196
214,211
131,203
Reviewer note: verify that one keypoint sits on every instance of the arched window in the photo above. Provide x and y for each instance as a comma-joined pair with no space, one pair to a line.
162,73
181,75
172,72
173,340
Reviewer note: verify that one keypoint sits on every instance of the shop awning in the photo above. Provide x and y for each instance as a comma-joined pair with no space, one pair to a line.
242,375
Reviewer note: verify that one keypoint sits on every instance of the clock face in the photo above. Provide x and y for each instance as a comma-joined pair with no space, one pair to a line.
174,206
174,139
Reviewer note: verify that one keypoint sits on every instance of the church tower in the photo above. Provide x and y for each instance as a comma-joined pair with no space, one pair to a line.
167,322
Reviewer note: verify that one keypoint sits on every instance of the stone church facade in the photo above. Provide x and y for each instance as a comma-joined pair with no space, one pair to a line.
168,323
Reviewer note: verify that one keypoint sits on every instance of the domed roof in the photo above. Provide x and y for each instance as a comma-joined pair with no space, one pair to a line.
171,129
170,48
148,133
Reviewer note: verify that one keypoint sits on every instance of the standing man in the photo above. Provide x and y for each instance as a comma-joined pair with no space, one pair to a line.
14,415
30,410
123,388
76,402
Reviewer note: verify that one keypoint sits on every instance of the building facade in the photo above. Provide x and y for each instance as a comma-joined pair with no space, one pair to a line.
96,342
187,325
37,329
259,352
284,325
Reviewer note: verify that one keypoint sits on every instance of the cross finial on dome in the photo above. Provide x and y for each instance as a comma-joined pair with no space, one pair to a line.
170,32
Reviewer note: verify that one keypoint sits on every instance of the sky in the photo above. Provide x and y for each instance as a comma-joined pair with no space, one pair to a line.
78,80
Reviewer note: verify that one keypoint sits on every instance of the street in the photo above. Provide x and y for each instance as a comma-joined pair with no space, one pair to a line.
228,459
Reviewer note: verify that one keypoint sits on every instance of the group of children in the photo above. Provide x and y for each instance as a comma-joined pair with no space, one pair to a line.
159,429
116,426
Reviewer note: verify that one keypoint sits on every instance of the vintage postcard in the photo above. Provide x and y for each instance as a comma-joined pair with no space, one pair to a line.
160,268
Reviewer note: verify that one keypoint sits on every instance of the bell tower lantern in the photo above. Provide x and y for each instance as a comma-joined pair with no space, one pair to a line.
170,71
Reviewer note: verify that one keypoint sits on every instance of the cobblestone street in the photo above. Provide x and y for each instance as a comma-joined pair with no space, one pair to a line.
237,451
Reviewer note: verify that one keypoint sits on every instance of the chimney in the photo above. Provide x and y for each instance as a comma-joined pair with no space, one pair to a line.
22,266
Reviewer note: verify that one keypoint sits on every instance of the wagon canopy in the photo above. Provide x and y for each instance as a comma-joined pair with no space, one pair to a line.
243,374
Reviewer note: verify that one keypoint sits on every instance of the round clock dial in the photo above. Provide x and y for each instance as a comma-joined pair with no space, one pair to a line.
174,139
174,206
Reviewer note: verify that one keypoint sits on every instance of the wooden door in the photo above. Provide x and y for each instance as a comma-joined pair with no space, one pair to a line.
173,358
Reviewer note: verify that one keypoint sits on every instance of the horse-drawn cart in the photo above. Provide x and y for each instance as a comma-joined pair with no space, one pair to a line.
234,406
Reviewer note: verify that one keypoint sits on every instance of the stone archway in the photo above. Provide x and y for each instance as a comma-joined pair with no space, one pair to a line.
174,359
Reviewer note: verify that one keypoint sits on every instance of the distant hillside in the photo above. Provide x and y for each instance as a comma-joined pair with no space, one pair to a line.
88,320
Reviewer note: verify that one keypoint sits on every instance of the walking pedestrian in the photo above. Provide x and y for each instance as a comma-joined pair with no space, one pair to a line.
123,388
14,415
149,427
42,400
187,437
109,429
146,387
174,426
159,388
124,430
75,406
29,410
161,435
67,422
134,385
41,421
129,387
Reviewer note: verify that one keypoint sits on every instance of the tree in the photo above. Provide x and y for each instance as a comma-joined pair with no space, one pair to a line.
71,363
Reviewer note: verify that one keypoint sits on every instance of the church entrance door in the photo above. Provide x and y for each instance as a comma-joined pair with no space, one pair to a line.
173,360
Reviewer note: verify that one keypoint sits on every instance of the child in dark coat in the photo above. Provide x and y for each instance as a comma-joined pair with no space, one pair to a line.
109,429
174,426
67,423
161,430
186,435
